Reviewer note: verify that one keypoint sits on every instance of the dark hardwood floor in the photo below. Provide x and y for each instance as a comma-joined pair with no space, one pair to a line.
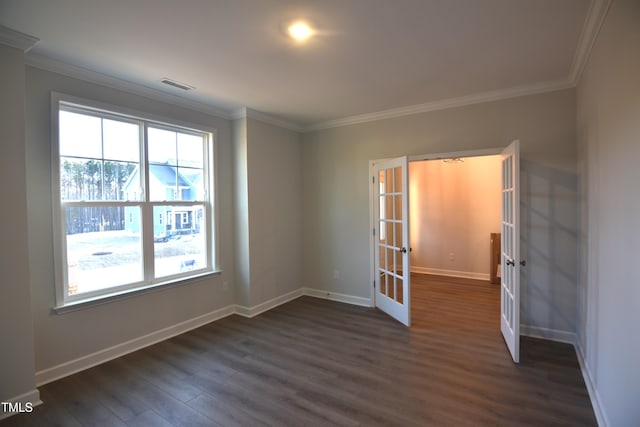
313,362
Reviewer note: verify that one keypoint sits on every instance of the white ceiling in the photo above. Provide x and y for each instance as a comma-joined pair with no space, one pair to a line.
370,56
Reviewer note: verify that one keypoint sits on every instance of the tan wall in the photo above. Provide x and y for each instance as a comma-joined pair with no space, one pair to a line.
453,209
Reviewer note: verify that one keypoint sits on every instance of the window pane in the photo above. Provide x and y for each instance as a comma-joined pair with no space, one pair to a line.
193,188
104,248
190,150
164,181
121,181
88,179
179,240
80,179
80,135
162,146
121,141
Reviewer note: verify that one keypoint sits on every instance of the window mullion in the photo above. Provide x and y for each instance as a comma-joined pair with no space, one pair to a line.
147,210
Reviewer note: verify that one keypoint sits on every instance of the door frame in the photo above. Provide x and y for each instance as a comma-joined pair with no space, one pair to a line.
413,158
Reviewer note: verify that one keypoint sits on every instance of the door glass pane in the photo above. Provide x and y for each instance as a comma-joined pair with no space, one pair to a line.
389,260
389,181
398,262
398,207
104,248
179,239
398,179
389,207
389,233
382,181
399,291
391,287
382,257
399,238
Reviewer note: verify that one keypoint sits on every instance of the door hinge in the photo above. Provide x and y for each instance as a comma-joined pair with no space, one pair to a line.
374,232
374,284
373,180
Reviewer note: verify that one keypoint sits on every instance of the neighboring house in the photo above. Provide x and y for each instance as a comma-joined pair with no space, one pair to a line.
167,183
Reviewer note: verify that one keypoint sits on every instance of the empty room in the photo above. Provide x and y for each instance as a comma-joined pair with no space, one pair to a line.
266,212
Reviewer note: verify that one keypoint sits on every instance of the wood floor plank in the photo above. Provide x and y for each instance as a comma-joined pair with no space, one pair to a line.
316,362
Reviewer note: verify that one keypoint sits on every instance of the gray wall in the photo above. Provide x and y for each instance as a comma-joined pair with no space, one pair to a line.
16,327
62,338
336,193
268,204
241,205
275,218
609,139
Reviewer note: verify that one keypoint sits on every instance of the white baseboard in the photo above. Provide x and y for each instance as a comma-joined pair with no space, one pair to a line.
334,296
267,305
85,362
596,403
450,273
32,397
548,334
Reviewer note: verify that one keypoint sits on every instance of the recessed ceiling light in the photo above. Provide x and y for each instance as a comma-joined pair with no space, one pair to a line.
300,31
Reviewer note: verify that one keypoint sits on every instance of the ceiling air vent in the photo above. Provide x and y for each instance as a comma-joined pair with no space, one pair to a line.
174,83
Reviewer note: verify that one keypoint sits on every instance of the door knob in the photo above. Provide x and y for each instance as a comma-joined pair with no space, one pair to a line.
511,262
402,250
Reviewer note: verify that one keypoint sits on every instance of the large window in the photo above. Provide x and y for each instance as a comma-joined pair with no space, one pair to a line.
133,204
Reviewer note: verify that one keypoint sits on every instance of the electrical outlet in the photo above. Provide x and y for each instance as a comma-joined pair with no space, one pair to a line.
452,256
225,285
336,274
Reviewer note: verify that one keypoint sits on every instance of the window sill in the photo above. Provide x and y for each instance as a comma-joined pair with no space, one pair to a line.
117,296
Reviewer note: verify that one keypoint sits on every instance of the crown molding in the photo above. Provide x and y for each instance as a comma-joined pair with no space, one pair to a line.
48,64
16,39
445,104
246,112
592,24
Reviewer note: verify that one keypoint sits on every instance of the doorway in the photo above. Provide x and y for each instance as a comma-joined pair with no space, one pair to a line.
455,206
380,247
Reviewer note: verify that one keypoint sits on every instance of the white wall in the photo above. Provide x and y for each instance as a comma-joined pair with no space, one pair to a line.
454,207
608,122
336,193
16,327
65,337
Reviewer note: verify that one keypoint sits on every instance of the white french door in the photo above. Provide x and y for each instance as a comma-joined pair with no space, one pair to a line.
392,275
510,259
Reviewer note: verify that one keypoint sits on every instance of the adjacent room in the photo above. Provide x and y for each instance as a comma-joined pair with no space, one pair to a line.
297,212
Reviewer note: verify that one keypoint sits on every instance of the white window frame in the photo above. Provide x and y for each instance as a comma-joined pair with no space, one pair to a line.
66,302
